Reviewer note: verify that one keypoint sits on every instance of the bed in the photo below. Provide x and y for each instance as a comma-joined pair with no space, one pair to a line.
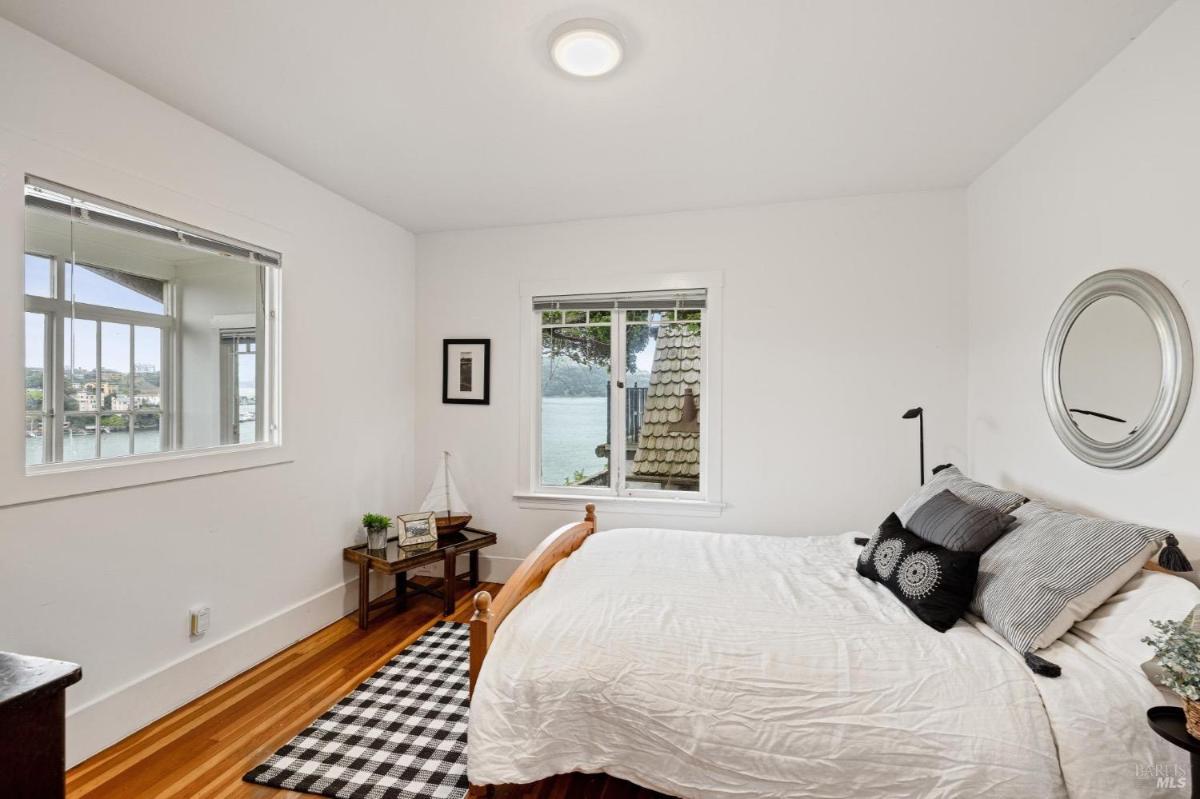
710,665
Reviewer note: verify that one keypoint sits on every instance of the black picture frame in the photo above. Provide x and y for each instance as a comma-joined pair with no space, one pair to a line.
486,399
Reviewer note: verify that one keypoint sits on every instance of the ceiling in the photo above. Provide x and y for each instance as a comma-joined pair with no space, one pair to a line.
447,113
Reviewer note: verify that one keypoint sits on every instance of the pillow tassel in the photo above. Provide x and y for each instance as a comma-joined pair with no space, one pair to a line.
1171,557
1039,665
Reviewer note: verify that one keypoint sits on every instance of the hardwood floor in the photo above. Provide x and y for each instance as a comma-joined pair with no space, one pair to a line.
201,750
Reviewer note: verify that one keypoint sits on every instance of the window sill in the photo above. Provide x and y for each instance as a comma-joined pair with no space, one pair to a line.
611,504
49,482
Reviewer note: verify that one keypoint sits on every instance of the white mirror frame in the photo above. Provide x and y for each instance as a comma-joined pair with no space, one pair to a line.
1175,347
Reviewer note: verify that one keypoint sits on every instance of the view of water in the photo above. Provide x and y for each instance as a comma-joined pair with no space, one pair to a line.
82,446
572,428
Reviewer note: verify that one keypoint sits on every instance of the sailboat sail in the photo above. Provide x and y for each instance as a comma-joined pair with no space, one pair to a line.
444,498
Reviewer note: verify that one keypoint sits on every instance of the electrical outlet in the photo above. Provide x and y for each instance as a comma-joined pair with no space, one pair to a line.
200,621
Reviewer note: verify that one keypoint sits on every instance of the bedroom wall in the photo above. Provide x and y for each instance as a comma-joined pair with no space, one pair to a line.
1108,180
106,580
838,316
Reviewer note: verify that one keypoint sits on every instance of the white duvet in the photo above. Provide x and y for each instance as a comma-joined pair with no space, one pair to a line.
706,665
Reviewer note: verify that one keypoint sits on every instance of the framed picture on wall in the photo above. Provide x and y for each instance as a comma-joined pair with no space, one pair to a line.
466,371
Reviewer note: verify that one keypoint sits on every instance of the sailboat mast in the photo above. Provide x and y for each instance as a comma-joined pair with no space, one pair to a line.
446,474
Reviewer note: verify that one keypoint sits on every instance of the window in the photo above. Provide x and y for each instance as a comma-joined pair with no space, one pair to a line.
621,392
239,379
127,352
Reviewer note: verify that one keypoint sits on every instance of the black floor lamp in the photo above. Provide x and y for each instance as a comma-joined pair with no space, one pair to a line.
918,413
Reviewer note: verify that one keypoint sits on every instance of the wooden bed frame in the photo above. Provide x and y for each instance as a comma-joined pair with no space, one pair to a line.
528,577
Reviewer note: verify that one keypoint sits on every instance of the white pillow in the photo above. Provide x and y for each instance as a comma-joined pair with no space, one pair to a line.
1119,625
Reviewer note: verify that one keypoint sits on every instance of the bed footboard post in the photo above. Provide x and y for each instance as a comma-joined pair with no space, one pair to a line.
481,633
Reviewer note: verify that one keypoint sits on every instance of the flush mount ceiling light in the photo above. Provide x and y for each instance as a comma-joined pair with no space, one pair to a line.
586,48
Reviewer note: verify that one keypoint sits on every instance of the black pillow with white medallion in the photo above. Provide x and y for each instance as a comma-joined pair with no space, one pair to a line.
935,583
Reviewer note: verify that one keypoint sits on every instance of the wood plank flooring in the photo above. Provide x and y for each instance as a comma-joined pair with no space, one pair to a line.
201,750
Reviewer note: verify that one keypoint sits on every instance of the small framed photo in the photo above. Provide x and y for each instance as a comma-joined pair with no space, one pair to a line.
419,528
466,371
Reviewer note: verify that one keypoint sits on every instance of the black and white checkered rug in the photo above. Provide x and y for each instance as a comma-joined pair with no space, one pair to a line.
402,734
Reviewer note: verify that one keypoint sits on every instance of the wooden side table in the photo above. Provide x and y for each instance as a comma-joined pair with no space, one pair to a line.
397,560
1171,723
32,725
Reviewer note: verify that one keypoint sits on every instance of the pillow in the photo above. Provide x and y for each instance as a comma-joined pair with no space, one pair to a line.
966,489
1053,570
947,521
1119,625
933,582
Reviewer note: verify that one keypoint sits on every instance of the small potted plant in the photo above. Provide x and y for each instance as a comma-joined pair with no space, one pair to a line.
1177,649
377,526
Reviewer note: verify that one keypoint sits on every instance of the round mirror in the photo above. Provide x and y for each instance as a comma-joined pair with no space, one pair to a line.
1117,369
1111,369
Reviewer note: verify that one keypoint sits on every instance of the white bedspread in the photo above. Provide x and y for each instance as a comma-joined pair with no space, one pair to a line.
705,665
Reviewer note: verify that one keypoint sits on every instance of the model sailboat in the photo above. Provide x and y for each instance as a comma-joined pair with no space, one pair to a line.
444,501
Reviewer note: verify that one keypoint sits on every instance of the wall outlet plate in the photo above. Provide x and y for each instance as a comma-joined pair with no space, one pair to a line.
200,621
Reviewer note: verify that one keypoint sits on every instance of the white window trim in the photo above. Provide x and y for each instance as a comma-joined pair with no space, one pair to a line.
530,493
58,481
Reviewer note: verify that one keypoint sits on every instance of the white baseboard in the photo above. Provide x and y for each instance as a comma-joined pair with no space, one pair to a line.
497,570
123,711
107,719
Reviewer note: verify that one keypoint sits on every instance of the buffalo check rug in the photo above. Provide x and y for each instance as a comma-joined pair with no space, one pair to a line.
402,734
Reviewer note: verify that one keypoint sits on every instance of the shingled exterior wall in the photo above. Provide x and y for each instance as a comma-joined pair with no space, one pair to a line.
664,455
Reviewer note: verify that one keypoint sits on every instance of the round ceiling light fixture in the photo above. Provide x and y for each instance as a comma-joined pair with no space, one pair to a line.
586,48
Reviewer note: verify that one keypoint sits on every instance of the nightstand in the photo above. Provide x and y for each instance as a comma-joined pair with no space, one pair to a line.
1171,723
398,560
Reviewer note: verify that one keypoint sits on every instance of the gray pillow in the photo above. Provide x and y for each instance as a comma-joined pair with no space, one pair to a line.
966,489
1053,569
954,524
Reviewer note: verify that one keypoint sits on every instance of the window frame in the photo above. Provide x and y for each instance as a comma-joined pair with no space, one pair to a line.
531,492
618,477
71,475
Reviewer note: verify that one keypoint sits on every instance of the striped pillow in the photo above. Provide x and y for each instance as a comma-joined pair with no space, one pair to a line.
951,479
1053,569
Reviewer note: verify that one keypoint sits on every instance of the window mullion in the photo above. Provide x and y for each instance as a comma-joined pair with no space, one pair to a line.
616,431
99,392
131,419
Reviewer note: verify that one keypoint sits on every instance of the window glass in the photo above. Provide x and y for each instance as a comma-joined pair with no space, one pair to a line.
35,439
246,379
79,437
35,388
38,276
576,366
662,404
114,288
35,363
79,372
114,435
147,368
115,355
147,433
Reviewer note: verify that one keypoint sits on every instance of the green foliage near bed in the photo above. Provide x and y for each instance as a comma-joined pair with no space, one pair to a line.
1177,648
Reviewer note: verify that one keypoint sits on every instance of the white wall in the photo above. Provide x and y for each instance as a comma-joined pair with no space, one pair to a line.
107,579
838,316
1110,179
